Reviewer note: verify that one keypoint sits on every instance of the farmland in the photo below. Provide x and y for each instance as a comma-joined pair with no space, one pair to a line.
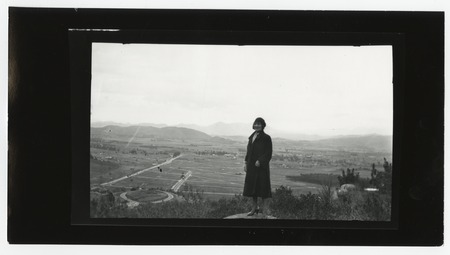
215,164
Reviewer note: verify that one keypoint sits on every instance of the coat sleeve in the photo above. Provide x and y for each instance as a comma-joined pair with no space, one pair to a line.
246,155
267,154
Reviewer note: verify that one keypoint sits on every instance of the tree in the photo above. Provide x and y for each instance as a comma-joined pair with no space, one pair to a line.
348,178
382,179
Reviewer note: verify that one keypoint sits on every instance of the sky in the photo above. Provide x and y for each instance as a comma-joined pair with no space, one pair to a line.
323,90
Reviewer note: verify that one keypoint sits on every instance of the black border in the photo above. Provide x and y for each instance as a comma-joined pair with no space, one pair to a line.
41,122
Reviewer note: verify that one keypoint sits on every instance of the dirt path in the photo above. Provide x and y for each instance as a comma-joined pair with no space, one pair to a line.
180,182
140,172
132,203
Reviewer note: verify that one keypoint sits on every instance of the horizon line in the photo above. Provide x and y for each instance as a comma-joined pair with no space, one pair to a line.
292,133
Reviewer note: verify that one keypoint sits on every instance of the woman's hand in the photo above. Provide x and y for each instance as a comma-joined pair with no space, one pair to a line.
257,164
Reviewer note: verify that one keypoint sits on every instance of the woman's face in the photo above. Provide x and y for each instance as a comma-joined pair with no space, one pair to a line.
257,126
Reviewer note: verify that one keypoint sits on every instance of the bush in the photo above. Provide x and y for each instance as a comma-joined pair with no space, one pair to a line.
284,203
377,207
102,204
309,206
173,209
191,195
349,206
226,207
326,210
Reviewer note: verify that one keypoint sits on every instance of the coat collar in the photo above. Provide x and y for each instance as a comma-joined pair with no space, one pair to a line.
260,134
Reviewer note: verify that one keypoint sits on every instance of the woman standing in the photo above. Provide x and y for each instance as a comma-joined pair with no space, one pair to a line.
257,178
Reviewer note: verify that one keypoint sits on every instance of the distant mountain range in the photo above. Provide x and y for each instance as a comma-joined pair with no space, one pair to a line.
220,129
98,124
372,142
150,132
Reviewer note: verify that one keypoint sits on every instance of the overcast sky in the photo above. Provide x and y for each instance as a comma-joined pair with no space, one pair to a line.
325,90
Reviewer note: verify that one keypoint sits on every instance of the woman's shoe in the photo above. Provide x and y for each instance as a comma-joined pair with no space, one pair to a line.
252,212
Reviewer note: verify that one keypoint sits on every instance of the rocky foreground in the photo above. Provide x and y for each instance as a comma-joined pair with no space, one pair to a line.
255,216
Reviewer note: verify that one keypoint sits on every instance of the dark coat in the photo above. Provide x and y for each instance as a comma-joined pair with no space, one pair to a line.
257,179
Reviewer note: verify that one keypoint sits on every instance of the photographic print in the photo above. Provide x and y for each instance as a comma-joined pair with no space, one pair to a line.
241,132
225,127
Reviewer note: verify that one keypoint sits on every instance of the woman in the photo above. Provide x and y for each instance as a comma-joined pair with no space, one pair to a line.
257,178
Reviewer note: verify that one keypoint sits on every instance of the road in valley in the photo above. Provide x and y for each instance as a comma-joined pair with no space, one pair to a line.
170,196
132,203
180,182
140,172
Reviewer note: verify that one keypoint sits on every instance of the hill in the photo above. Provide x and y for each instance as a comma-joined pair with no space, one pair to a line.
244,130
99,124
372,142
150,132
221,129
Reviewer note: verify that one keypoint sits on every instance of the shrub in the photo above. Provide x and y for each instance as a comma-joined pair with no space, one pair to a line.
349,206
377,207
309,206
284,205
191,195
284,202
102,204
225,207
172,209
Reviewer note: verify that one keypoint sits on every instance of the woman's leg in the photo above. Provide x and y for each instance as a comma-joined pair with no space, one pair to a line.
254,206
255,203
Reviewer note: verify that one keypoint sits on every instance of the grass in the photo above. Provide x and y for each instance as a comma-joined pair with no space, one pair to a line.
146,195
357,205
